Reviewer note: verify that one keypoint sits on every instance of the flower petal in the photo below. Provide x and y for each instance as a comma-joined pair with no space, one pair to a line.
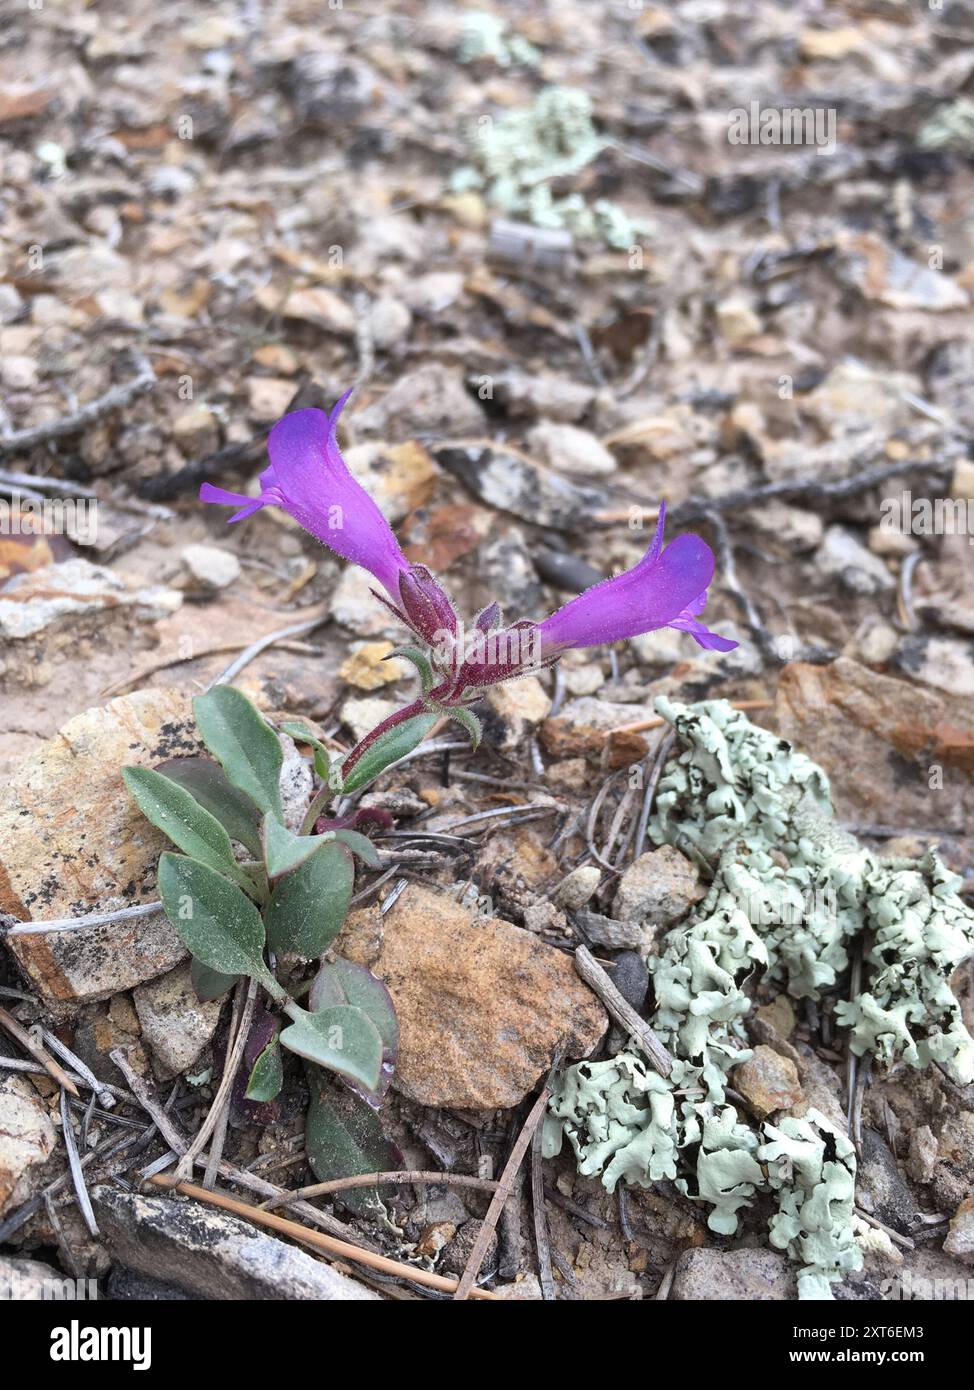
649,596
702,635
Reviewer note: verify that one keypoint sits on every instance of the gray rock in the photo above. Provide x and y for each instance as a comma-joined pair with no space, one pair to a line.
527,394
617,936
960,1238
431,398
570,450
715,1275
513,484
576,888
880,1190
296,784
128,1286
30,1281
631,978
843,556
210,566
212,1254
660,887
508,576
27,1140
175,1025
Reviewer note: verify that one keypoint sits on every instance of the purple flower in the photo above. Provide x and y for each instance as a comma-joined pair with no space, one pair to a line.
667,588
310,480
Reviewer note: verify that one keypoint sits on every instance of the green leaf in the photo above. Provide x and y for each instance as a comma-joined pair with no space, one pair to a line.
267,1076
388,748
209,784
218,922
240,738
360,845
284,851
308,906
180,816
345,982
343,1137
343,1038
422,663
209,984
469,721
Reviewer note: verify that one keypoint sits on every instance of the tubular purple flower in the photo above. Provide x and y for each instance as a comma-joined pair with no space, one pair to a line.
667,588
309,479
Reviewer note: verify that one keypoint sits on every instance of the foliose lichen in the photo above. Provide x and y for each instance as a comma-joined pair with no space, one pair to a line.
790,892
520,155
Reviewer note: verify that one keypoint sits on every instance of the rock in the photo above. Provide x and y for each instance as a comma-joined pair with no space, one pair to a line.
361,716
660,887
512,483
196,431
297,785
768,1082
664,647
530,394
793,528
516,708
821,1086
354,606
883,274
880,1190
878,737
921,1161
175,1025
617,936
584,725
58,594
960,1237
570,450
268,397
430,399
27,1140
576,888
631,978
843,556
31,1281
73,842
18,373
367,667
455,1255
853,397
584,679
431,294
943,662
508,576
212,1254
570,775
482,1004
128,1286
875,642
210,566
389,322
760,1276
321,307
736,320
398,477
883,540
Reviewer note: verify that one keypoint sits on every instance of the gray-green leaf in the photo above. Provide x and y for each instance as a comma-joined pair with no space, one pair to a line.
180,816
239,736
210,984
388,748
218,922
343,1038
308,906
284,851
209,784
267,1076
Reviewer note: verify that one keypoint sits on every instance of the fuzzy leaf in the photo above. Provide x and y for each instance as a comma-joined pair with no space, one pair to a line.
284,851
388,748
267,1076
218,923
344,1137
209,784
421,661
209,984
240,738
308,905
175,812
360,845
345,982
342,1038
469,721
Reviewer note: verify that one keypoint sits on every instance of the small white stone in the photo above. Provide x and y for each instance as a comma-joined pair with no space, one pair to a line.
210,566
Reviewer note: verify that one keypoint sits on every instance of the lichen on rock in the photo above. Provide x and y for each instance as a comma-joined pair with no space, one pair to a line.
790,891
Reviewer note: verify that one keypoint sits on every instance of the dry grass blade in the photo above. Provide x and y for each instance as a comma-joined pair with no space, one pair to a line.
148,1102
324,1189
622,1011
20,1034
74,1164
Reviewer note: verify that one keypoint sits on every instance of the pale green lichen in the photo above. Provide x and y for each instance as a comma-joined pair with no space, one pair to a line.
950,127
487,36
790,892
519,156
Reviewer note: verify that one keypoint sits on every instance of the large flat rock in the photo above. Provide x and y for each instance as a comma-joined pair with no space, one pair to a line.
482,1004
72,842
